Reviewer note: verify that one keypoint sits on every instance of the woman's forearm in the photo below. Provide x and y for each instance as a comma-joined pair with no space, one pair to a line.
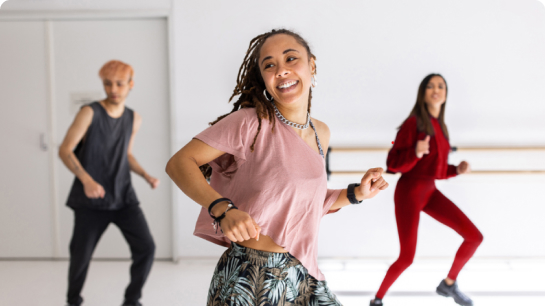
371,184
341,201
188,177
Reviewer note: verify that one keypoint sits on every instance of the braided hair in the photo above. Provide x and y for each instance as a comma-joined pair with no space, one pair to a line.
250,86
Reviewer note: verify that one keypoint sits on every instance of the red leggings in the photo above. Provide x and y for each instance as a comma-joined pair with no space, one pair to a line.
413,196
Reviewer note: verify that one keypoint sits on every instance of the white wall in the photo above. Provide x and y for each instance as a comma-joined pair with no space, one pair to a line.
371,57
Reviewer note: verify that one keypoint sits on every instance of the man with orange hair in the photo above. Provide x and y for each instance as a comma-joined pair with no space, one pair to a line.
103,135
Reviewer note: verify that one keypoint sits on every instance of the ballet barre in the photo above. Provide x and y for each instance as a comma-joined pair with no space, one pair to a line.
454,149
495,172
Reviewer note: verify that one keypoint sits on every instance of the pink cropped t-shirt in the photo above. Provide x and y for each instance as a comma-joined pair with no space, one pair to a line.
282,185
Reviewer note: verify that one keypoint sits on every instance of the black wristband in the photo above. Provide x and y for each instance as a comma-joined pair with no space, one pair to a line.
218,219
216,202
351,195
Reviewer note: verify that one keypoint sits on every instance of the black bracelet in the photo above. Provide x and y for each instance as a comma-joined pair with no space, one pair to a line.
214,204
217,220
350,194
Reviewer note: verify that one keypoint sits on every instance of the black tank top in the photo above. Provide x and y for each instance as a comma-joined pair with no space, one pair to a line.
103,154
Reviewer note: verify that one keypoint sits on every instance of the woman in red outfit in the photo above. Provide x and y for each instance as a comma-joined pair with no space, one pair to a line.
420,153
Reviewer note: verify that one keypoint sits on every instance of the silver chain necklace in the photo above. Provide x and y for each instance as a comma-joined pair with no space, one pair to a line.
286,121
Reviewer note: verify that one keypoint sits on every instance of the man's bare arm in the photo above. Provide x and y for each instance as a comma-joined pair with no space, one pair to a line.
133,163
75,134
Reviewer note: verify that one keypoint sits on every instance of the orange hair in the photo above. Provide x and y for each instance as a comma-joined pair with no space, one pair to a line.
113,67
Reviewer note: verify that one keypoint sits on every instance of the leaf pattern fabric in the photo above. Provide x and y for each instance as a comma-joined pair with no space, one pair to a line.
248,277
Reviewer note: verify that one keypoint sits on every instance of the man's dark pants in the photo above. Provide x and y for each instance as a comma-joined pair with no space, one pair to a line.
89,225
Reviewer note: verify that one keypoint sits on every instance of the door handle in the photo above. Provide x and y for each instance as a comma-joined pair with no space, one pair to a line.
43,143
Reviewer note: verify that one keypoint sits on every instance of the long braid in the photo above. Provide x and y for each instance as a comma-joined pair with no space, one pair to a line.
250,87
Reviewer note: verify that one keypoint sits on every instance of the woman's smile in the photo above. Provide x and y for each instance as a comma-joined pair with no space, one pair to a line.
287,86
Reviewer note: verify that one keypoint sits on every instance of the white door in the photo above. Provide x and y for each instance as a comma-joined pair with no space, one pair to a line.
81,48
26,221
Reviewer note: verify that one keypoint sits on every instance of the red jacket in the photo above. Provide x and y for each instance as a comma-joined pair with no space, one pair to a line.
402,157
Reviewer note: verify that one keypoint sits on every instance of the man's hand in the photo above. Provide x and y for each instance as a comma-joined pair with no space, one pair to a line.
93,190
153,182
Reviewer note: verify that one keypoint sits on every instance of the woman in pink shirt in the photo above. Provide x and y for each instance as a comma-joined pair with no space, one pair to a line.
268,187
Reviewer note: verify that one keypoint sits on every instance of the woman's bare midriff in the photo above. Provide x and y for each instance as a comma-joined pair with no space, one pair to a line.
265,243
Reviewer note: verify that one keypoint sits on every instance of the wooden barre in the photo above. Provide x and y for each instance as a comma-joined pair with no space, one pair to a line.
457,149
503,172
475,172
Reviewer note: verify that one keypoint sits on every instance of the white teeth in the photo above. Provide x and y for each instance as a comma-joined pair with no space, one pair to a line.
286,85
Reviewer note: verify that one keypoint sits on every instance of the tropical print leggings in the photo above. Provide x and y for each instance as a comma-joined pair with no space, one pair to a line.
248,277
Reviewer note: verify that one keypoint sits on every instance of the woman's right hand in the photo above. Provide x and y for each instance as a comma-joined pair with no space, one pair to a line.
239,226
423,147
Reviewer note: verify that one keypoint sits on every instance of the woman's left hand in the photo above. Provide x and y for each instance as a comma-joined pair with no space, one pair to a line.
371,184
463,168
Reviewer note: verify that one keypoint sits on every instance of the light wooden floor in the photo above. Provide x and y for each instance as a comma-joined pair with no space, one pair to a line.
488,282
